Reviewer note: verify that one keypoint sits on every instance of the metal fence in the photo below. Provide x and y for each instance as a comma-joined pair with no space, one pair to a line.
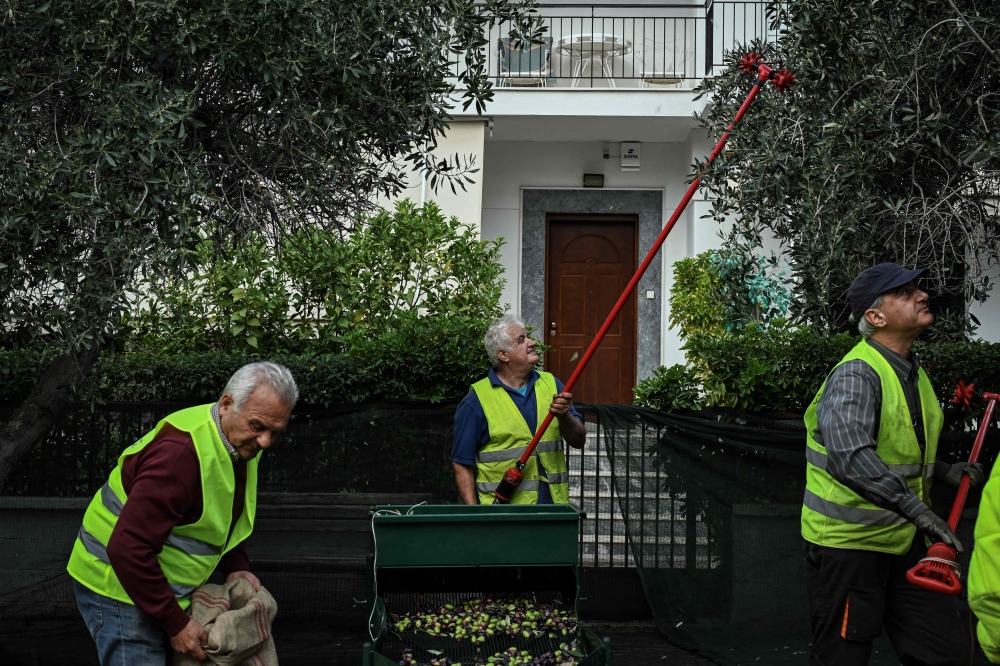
735,23
674,529
375,448
629,46
392,449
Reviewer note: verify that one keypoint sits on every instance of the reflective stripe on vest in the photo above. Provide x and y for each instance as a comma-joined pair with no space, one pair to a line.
516,452
851,514
181,543
489,487
97,549
554,478
191,552
833,515
909,471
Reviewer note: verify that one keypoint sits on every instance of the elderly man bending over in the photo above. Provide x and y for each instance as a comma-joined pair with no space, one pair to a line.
495,422
179,504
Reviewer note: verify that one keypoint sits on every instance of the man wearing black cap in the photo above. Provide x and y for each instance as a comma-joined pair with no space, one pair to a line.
872,433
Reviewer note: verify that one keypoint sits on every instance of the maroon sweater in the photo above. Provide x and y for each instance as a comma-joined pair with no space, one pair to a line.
163,484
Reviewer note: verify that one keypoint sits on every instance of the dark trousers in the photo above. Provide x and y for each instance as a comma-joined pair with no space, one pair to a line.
855,594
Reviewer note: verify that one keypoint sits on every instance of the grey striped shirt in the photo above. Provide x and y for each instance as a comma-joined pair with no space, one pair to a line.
237,460
847,417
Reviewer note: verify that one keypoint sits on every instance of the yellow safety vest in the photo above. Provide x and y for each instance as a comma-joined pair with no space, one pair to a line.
984,569
509,437
192,551
836,516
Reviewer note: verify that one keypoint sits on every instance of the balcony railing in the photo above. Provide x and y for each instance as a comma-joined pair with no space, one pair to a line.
626,46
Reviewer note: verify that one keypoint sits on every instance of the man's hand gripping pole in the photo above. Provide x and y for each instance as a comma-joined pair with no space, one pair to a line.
751,63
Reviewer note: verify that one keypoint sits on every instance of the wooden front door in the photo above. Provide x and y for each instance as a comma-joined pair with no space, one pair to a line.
590,259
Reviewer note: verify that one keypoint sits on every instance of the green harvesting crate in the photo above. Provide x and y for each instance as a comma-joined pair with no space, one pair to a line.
461,535
432,555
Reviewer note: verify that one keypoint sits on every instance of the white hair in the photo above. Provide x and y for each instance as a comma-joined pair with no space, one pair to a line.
865,327
498,336
245,380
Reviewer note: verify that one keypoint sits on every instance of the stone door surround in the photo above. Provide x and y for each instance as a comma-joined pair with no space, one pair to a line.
536,204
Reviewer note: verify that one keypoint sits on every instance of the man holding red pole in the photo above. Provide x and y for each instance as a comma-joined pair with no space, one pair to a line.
499,416
872,434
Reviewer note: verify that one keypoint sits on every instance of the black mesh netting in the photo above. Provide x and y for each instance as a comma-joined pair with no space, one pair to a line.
711,502
381,448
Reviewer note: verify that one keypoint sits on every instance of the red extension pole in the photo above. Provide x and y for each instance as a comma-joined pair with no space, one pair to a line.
751,62
939,570
963,488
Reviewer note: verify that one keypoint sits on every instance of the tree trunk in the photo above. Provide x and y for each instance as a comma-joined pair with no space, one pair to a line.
34,417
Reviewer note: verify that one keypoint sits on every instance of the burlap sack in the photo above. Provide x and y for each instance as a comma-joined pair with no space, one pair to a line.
238,622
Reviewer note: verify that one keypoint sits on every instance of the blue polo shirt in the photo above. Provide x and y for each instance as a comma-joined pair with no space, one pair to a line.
472,431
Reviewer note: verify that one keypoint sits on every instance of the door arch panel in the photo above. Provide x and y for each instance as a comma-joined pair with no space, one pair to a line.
591,247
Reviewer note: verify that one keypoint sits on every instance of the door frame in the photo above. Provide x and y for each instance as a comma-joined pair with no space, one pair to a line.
537,201
634,308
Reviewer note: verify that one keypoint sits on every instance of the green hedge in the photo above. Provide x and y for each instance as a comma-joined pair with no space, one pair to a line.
781,368
422,358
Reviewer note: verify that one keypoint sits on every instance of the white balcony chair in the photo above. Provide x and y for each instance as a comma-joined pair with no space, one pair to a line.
661,66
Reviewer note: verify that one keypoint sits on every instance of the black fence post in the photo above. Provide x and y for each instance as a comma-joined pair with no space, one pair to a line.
691,533
709,37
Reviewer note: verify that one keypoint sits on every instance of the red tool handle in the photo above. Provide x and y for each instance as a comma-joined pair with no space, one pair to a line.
764,72
963,488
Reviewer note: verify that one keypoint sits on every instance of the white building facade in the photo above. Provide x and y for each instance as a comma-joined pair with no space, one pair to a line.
610,78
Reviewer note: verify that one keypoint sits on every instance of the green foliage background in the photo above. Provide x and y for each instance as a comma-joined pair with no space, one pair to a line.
775,365
433,360
396,310
696,304
130,132
726,290
886,149
781,368
321,292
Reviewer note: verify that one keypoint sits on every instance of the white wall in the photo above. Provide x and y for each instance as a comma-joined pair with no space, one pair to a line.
988,313
694,234
513,165
466,139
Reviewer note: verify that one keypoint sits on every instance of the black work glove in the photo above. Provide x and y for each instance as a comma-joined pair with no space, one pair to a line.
976,472
938,529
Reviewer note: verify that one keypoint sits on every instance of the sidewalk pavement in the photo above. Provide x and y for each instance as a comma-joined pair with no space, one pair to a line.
66,643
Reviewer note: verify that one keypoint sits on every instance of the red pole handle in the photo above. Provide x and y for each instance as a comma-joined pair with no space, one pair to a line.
963,487
764,73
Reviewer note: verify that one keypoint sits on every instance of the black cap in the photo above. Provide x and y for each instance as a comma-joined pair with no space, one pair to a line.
875,281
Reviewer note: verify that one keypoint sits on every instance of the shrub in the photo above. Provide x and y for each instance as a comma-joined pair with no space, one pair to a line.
676,387
780,368
695,297
423,358
727,290
315,290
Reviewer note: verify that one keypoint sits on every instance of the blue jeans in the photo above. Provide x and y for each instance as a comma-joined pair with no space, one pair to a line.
124,635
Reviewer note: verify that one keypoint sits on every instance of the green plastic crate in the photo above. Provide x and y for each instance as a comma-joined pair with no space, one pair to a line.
460,535
473,536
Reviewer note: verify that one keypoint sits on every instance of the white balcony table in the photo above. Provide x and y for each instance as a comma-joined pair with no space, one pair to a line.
587,47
